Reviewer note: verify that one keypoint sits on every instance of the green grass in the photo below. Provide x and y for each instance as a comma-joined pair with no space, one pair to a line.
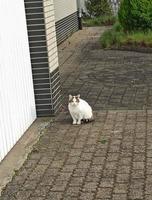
103,141
139,38
117,37
99,21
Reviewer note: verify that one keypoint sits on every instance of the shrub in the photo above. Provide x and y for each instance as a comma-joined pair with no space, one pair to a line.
117,37
108,20
112,37
98,8
117,27
136,15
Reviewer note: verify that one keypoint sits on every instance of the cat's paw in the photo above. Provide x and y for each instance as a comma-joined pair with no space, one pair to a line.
74,123
79,123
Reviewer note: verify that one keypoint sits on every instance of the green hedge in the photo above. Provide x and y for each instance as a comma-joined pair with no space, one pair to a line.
135,15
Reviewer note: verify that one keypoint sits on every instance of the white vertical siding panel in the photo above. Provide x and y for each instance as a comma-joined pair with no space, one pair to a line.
64,8
17,106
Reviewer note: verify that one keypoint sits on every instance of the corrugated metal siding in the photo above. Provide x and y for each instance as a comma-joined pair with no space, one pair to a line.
66,26
66,18
64,8
17,106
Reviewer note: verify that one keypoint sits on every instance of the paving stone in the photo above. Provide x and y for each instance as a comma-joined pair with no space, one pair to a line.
124,169
125,161
38,172
72,160
11,190
110,173
70,198
138,174
23,194
76,181
75,152
59,185
30,163
6,197
37,198
84,164
47,180
72,192
90,187
40,191
80,172
89,148
112,156
86,156
100,153
104,193
98,160
139,157
45,160
120,188
54,196
122,178
148,190
86,196
18,180
137,183
30,184
148,197
107,183
111,165
119,197
53,172
92,179
68,168
136,194
138,165
96,168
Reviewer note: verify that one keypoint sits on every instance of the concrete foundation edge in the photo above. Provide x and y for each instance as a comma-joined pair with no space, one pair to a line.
17,156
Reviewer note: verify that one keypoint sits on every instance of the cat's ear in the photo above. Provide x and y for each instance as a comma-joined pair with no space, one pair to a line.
78,95
70,97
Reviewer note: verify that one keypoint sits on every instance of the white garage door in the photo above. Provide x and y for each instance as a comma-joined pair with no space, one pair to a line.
17,106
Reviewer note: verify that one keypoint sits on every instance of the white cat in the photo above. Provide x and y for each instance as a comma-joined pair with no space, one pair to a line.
79,109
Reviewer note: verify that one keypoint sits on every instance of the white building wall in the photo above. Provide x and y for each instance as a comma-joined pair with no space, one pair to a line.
64,8
17,105
49,15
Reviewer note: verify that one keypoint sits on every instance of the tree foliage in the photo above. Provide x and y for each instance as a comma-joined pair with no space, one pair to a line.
98,8
136,15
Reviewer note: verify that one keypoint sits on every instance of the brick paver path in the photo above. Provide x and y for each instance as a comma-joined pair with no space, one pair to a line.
108,159
107,79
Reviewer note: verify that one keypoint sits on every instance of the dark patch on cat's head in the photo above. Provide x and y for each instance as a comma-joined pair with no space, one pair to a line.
74,98
77,98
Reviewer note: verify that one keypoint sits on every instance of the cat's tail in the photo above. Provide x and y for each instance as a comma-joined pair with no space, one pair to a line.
92,119
89,120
